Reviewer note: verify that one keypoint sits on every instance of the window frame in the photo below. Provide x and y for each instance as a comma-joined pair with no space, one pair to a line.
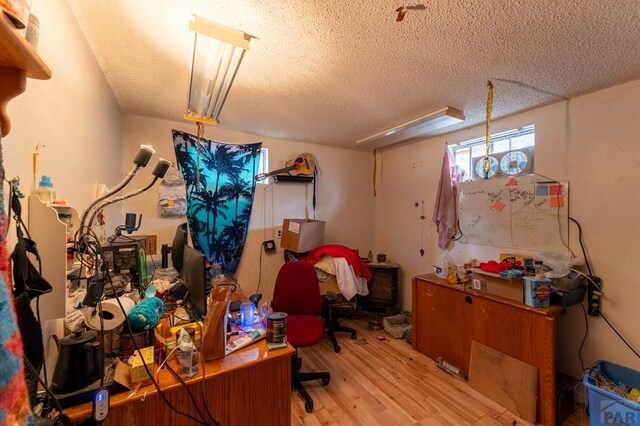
496,140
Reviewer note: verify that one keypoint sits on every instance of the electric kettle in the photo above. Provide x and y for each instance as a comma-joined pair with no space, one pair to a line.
79,362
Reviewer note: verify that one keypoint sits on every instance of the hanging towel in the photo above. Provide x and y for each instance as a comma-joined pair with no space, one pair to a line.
348,282
444,211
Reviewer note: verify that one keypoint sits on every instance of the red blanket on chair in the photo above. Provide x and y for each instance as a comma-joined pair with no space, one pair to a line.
359,267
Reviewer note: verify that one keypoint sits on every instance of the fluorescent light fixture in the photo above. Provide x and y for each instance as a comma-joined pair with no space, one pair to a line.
415,128
217,54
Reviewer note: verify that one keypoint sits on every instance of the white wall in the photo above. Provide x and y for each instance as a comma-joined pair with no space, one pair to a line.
344,195
74,115
591,141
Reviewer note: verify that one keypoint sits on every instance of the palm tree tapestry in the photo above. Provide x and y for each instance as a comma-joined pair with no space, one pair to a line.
220,184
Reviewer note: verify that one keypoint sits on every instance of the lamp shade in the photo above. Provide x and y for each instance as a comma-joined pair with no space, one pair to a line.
217,55
413,129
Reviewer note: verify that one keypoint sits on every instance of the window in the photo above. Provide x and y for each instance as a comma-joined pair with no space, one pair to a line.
263,165
467,154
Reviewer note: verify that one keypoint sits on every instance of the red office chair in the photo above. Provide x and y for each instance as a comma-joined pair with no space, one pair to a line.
297,293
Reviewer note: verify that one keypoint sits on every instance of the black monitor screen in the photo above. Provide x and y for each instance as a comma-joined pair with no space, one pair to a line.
194,274
177,248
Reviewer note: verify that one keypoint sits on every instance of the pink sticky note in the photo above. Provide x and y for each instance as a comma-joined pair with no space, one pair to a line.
555,190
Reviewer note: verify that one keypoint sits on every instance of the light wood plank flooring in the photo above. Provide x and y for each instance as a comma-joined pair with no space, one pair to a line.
385,382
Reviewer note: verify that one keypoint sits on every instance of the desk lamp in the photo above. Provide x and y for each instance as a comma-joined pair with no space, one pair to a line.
158,173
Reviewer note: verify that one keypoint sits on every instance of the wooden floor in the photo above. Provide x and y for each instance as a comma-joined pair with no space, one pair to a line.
385,382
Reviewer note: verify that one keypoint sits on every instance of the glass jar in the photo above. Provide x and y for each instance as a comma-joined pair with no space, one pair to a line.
538,268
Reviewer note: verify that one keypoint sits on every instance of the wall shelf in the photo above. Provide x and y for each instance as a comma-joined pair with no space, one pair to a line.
289,178
18,60
51,235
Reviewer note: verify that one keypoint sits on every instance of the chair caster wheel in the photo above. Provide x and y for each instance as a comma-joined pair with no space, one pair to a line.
308,406
354,336
325,381
336,349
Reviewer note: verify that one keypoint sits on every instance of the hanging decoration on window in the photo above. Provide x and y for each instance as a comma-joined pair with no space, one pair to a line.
220,185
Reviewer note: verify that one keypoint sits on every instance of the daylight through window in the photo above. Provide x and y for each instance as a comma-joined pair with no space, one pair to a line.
511,154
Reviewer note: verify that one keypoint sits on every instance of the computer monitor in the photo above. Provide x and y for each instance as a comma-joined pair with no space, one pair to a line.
177,248
194,275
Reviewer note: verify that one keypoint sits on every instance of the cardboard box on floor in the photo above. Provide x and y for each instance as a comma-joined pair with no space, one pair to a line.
496,284
302,235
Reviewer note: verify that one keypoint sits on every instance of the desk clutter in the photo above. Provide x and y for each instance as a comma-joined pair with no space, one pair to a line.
536,282
124,341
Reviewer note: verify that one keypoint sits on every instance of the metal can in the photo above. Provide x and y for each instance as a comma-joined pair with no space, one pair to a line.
277,327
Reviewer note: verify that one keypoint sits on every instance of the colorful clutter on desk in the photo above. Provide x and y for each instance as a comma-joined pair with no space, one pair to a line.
512,274
495,267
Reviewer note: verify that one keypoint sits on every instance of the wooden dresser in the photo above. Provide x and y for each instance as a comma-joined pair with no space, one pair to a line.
446,318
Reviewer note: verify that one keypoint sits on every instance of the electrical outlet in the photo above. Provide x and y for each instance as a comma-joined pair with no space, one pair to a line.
594,296
477,285
279,232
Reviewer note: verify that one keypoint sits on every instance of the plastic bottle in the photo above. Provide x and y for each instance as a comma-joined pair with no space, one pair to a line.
538,268
45,190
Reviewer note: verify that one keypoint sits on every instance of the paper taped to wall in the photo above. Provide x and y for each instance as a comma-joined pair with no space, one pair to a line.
524,215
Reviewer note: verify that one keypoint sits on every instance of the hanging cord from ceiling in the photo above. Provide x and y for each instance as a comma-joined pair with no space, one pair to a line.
375,167
488,128
422,218
402,10
200,133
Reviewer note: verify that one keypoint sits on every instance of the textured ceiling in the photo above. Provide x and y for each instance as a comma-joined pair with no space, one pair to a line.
334,72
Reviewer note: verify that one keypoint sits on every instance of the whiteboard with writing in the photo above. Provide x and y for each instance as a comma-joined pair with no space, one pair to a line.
506,213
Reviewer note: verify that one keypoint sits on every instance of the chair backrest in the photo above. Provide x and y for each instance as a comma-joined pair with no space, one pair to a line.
296,290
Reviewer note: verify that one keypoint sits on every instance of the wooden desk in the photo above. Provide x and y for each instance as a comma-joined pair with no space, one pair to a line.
250,386
446,318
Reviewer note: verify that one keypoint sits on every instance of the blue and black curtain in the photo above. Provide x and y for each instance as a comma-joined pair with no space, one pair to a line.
220,185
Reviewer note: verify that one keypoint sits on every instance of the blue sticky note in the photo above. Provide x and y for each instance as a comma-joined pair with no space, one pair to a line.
542,190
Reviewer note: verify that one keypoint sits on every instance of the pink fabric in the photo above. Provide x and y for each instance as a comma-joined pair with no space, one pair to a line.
444,211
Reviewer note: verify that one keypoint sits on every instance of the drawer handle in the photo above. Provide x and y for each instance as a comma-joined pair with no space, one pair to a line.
468,299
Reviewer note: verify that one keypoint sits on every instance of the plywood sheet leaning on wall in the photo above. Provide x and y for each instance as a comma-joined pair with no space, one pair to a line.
505,380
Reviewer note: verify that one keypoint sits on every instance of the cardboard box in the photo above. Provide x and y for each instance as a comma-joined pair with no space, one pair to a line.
537,293
138,372
496,284
302,235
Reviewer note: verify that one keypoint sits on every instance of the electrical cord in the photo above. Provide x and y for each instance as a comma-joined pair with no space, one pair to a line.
149,373
191,397
46,388
584,252
203,396
19,221
94,247
259,271
619,335
203,388
589,277
586,333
